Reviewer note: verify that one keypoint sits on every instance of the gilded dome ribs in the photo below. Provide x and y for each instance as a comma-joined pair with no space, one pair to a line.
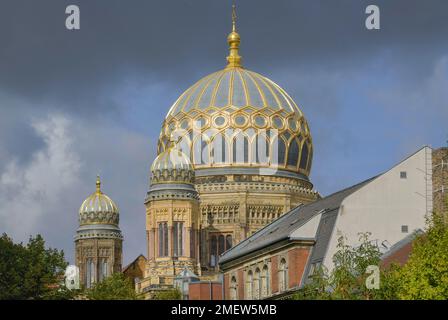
202,91
260,92
246,94
230,94
215,90
272,92
226,113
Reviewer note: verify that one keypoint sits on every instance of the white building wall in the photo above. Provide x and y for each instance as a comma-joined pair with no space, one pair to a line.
386,204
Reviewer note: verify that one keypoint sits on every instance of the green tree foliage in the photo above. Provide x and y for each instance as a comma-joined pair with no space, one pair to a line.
347,279
171,294
389,284
63,293
30,271
318,288
115,287
425,275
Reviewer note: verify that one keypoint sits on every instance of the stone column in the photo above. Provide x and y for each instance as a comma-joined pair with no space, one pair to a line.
156,242
95,260
287,204
196,245
243,218
170,241
204,248
187,242
151,244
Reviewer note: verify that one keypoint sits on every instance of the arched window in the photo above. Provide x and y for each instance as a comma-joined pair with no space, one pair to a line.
233,289
163,239
221,244
265,282
310,157
103,269
240,149
213,251
282,278
219,149
249,282
293,153
261,149
178,244
304,157
192,241
205,156
160,238
228,242
278,153
90,272
256,284
201,151
218,244
183,143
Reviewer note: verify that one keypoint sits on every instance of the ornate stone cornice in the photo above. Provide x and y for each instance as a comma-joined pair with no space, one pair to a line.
171,194
254,186
172,176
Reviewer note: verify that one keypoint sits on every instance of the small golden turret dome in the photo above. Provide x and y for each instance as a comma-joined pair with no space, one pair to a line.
98,208
172,166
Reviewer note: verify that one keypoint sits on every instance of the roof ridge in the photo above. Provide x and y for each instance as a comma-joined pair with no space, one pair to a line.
243,245
281,218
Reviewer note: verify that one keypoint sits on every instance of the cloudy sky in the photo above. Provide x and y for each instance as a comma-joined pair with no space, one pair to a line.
77,103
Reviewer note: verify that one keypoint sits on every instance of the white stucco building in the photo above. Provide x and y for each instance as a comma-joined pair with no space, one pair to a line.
391,206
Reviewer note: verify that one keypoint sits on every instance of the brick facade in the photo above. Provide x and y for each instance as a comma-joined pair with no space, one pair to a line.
240,288
205,291
400,256
226,285
296,257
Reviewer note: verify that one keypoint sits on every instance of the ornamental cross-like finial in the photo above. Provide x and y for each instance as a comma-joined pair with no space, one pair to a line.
98,184
233,39
233,17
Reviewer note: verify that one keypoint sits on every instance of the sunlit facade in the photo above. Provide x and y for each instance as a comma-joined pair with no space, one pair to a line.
98,240
234,154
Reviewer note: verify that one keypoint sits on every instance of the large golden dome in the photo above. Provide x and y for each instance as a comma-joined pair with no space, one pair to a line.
236,118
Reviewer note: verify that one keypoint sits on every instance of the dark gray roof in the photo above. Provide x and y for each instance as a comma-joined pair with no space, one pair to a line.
282,228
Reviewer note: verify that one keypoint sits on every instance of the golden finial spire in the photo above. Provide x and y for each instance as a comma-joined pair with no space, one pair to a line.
233,39
233,18
98,184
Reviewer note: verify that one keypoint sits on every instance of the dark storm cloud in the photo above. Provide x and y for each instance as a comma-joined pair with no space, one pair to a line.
179,41
108,86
